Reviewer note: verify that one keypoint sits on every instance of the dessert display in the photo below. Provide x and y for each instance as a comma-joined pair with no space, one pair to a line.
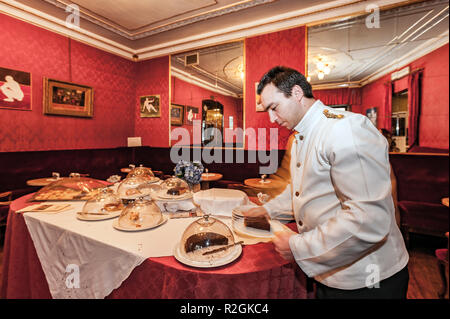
207,241
102,206
134,187
176,191
70,188
203,240
139,215
174,188
144,172
219,201
250,226
260,222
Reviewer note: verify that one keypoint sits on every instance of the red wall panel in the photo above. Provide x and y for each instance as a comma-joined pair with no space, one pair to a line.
45,54
434,126
263,52
152,78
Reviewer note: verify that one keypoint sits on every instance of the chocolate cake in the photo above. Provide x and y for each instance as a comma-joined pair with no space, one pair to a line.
260,222
177,191
202,240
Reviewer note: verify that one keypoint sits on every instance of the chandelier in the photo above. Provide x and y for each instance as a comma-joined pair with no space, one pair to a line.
323,66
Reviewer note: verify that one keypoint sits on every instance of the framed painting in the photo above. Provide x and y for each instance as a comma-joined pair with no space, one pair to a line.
15,89
150,105
176,114
64,98
191,114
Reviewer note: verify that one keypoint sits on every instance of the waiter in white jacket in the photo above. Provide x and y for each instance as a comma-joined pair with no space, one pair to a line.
340,193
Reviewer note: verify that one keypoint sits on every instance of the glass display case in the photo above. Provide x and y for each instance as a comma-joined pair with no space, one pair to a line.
139,215
173,188
137,186
104,205
144,172
206,239
70,188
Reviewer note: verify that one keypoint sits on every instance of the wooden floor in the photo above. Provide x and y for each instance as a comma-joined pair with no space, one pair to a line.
424,281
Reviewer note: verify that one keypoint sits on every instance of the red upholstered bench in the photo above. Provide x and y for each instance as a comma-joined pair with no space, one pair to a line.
422,182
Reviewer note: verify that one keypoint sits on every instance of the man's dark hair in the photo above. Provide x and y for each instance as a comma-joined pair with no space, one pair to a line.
284,79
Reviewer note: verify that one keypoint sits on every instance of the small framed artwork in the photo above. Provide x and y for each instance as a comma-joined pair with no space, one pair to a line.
64,98
259,106
176,114
15,90
150,106
191,114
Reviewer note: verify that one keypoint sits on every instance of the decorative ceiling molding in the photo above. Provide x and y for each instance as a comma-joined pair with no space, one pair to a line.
149,31
50,23
427,47
204,84
420,51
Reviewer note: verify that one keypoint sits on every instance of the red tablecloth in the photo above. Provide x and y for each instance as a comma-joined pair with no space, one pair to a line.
258,273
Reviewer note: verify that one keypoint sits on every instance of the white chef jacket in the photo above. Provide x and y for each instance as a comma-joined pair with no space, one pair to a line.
340,194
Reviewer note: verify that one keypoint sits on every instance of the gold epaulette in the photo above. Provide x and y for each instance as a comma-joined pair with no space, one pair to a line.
331,115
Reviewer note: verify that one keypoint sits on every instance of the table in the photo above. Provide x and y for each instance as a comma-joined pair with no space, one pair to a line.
268,183
258,273
209,177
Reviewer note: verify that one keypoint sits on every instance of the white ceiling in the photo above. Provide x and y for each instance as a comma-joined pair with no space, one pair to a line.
358,54
139,30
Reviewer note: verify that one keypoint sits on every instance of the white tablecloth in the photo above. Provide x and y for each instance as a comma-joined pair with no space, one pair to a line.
105,256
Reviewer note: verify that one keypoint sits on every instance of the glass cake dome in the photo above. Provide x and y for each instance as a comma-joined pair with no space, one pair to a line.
134,187
141,214
174,186
70,188
105,202
143,172
202,240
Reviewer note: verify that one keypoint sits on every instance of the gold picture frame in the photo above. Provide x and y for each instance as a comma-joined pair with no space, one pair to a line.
150,105
68,99
176,114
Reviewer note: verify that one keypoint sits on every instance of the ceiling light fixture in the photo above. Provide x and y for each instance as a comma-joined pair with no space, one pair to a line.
323,66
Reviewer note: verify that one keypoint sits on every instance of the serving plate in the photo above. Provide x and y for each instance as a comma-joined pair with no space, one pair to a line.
93,216
213,262
118,227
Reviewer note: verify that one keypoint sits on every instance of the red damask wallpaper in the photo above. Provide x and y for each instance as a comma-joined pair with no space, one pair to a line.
46,54
118,83
152,78
261,54
433,126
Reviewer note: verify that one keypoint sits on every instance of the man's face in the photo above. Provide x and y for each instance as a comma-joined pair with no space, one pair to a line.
285,111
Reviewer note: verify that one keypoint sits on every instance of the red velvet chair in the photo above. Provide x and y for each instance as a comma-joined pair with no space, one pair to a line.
442,258
5,200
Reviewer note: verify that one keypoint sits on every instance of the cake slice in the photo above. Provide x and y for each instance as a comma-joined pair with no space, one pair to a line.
260,222
202,240
177,191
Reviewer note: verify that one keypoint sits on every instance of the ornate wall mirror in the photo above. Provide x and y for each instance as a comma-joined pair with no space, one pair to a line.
356,51
208,85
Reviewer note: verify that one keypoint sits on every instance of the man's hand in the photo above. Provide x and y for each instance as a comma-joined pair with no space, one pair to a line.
256,212
281,242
